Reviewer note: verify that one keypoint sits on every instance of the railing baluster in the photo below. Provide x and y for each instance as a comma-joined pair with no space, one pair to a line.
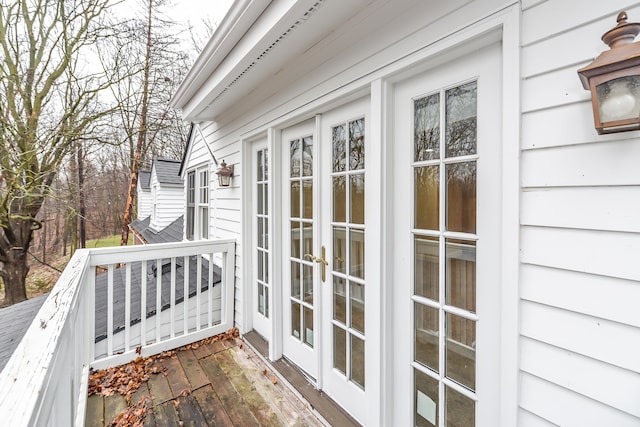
210,302
143,303
110,309
185,295
198,291
158,298
173,297
127,307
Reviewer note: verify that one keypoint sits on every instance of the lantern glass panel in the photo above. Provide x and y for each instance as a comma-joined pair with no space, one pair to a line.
619,99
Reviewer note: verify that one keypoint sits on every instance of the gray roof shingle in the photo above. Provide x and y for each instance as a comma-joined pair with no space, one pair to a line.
144,178
168,171
14,322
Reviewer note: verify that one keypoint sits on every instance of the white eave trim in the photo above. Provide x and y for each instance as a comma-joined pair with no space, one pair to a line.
234,25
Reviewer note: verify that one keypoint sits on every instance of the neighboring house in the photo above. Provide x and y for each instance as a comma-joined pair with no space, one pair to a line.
144,194
428,224
167,201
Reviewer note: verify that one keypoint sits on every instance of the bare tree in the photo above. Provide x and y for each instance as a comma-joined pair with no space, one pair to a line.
45,107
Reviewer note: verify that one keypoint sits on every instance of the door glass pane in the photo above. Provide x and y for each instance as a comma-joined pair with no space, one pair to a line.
295,280
308,283
460,350
295,319
307,198
356,144
427,198
265,235
308,238
260,164
426,128
357,360
461,197
308,325
339,142
460,288
339,249
461,410
357,253
295,199
260,194
340,349
425,400
260,298
266,198
266,267
296,242
356,205
260,224
339,300
426,272
265,168
339,199
294,152
426,335
260,265
461,107
356,305
266,302
307,156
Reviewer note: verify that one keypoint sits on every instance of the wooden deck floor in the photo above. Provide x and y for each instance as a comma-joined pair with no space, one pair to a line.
218,384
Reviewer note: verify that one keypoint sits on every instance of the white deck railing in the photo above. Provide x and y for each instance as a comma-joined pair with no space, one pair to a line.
45,381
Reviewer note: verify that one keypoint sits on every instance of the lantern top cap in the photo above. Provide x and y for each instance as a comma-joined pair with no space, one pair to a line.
623,33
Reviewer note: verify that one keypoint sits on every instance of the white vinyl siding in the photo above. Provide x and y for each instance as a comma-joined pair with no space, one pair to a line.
167,204
580,329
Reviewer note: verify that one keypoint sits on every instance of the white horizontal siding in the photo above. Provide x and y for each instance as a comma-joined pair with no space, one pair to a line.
572,207
607,163
598,296
563,407
605,253
616,343
144,204
609,384
579,321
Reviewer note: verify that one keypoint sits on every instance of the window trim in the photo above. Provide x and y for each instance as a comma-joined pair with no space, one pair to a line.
198,202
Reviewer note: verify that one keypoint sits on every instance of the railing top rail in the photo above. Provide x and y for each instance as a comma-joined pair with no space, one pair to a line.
119,254
26,374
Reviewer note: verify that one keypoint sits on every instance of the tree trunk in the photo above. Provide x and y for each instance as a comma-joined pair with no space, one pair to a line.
81,197
142,135
15,267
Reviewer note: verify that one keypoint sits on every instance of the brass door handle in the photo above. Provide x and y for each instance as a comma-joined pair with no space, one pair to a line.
322,261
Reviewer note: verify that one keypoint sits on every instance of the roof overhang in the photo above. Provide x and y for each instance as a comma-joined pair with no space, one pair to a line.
254,42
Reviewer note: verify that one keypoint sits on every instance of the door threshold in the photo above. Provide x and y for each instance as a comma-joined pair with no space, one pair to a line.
299,381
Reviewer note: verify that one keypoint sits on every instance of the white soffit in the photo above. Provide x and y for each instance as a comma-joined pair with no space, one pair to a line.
273,42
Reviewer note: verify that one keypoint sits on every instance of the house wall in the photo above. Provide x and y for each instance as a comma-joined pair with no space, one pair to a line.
579,331
144,203
580,218
169,200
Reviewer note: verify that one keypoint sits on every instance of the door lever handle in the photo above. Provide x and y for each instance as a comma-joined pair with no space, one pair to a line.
322,261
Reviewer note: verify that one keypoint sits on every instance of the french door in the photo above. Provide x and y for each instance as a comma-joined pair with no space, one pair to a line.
447,244
324,258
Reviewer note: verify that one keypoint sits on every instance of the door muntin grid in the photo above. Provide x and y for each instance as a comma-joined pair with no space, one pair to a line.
262,231
301,295
348,249
444,241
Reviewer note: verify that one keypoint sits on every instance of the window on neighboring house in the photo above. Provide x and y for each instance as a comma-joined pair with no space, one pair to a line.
198,204
191,201
203,204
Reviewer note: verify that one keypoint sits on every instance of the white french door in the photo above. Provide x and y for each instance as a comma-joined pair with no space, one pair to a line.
447,139
262,254
300,215
324,257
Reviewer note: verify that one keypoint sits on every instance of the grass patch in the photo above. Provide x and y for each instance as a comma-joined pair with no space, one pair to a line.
107,242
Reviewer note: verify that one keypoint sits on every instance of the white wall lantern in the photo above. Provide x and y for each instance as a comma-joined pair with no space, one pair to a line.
225,173
614,80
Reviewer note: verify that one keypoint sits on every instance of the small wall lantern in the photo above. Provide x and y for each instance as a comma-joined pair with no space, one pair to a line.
614,80
224,174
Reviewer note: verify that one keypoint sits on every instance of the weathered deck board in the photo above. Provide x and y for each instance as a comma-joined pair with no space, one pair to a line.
218,384
195,375
211,407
